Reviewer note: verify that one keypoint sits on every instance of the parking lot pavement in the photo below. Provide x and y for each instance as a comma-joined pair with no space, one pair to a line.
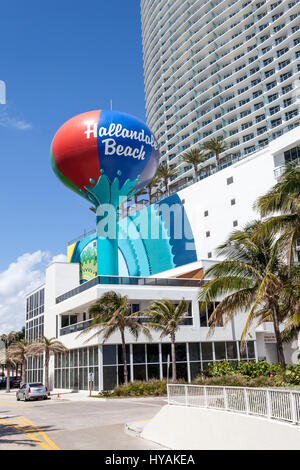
70,423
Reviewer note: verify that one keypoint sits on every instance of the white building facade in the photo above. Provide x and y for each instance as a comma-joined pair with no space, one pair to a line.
65,317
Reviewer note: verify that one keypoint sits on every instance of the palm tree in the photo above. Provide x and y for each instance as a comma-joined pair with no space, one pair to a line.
49,346
18,352
165,173
194,156
112,313
8,339
215,146
253,277
167,317
283,198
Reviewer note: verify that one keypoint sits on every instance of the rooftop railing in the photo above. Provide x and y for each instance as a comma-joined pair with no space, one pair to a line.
268,403
129,281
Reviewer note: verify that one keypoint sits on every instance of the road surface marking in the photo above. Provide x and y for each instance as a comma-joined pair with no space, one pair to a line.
15,404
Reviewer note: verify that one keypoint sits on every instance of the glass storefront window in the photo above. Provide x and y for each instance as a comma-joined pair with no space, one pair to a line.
152,353
153,371
139,354
251,349
231,349
120,354
109,377
109,355
220,351
181,371
180,352
194,351
139,372
207,353
165,351
121,374
195,368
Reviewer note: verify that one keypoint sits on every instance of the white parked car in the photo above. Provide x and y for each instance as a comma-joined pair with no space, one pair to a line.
31,391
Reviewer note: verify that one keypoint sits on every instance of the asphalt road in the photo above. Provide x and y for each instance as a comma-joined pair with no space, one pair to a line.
73,423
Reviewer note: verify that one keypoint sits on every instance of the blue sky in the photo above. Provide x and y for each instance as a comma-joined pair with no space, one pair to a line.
58,59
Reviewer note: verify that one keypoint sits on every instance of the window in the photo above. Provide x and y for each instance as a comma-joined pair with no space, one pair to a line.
206,214
235,223
258,106
246,125
283,64
276,122
271,85
291,114
272,97
260,118
207,234
274,110
269,73
205,313
230,180
248,137
267,61
286,89
233,202
209,255
282,51
257,93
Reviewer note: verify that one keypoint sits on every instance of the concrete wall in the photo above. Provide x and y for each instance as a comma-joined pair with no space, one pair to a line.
179,427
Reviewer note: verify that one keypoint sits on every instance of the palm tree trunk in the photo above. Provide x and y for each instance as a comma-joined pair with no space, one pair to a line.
196,172
8,367
124,358
173,358
167,186
24,371
279,345
149,195
217,160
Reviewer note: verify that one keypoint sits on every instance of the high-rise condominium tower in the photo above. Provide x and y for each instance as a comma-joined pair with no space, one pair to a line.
220,69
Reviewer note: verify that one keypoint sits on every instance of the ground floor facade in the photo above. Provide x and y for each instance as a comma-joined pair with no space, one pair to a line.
145,362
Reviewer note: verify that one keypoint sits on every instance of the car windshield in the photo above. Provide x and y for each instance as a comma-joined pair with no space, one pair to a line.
36,385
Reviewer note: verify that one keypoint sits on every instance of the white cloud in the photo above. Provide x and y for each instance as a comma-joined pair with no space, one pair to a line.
21,277
16,123
59,259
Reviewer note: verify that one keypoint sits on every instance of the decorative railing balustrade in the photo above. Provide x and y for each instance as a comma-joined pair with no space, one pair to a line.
270,403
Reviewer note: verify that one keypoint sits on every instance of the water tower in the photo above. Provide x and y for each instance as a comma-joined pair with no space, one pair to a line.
105,157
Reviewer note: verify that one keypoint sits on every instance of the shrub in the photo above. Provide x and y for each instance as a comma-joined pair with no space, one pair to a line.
139,389
248,369
292,374
237,380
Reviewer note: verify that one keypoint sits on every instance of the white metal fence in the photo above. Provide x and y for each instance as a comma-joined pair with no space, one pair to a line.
269,403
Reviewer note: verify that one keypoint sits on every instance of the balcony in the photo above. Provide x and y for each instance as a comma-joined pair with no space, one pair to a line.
75,328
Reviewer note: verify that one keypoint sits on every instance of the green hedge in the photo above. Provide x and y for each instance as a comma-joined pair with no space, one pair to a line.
237,380
139,389
253,370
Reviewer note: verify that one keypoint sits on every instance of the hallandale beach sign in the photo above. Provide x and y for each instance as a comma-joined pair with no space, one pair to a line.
114,131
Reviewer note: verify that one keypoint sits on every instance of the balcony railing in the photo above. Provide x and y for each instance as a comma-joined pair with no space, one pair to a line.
131,281
75,327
